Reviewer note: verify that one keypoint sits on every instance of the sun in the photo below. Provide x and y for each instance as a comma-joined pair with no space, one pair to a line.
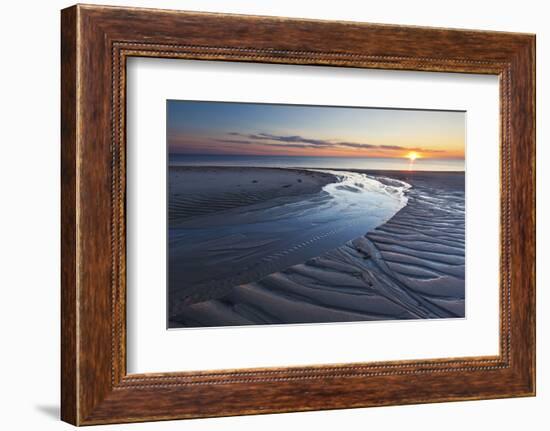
412,156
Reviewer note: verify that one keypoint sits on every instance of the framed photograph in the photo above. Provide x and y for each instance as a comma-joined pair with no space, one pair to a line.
263,214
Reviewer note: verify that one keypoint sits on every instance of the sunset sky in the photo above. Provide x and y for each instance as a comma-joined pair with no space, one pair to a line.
218,128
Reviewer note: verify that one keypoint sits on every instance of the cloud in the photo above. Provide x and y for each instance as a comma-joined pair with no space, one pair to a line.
251,142
297,141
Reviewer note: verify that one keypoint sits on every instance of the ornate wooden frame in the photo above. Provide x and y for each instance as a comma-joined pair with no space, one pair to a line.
96,41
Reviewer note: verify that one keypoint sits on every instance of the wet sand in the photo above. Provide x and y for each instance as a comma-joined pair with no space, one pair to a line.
196,191
410,267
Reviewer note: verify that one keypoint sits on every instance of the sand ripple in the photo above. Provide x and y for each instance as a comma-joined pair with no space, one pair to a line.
411,267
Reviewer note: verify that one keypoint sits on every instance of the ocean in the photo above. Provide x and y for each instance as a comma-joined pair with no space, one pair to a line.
318,162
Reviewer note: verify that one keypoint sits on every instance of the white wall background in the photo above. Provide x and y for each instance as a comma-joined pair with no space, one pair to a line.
29,215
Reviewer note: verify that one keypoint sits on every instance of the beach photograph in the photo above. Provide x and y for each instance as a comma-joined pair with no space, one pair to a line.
301,214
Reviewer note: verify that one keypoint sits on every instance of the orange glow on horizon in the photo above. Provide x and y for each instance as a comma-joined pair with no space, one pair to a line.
207,145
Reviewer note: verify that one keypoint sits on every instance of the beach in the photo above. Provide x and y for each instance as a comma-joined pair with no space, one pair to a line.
251,246
202,190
